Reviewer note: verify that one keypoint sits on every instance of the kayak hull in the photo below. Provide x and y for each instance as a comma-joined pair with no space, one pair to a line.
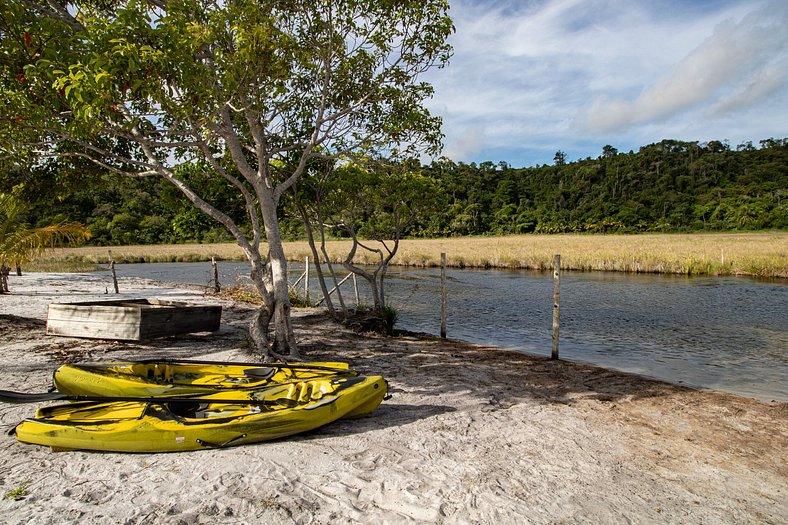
172,378
230,418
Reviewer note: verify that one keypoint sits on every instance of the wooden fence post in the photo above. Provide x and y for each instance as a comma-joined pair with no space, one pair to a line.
443,295
4,271
355,287
556,303
306,279
215,268
112,269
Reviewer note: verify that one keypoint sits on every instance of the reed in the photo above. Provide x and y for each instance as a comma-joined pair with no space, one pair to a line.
61,266
149,253
763,254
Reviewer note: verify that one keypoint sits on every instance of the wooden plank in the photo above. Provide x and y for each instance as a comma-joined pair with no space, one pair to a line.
94,313
94,324
120,332
130,320
157,323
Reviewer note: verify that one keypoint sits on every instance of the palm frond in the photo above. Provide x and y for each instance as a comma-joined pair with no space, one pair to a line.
20,244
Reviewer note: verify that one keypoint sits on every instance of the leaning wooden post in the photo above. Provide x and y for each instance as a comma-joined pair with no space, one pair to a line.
355,287
556,303
443,295
4,271
215,267
112,269
306,279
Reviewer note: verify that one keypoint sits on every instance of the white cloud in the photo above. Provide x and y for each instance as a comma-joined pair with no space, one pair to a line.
464,142
531,77
762,85
731,53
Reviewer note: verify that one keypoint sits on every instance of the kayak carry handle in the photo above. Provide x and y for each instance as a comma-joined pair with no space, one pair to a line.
208,444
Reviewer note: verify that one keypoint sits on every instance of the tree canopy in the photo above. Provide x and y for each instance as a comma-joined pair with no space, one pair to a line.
667,186
246,91
741,188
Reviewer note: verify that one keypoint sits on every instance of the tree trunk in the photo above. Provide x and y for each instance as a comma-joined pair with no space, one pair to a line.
258,331
259,326
384,268
275,309
327,258
284,343
333,274
330,266
371,278
320,278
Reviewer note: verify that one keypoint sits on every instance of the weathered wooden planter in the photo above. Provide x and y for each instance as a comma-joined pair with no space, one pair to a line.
130,320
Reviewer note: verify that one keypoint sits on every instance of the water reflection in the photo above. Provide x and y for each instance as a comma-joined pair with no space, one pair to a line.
723,333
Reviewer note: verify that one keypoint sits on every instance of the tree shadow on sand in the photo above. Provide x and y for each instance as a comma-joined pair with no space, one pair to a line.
423,364
417,364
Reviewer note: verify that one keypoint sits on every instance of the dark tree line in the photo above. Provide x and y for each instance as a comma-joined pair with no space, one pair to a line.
668,186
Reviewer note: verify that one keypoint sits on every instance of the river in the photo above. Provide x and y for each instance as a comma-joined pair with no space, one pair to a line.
723,333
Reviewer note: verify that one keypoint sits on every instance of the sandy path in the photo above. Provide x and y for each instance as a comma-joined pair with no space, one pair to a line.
472,435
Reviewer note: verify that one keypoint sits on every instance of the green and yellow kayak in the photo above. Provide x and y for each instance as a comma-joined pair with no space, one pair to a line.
170,378
212,420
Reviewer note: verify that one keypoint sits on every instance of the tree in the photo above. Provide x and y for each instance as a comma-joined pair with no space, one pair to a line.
246,87
19,243
560,158
375,207
609,151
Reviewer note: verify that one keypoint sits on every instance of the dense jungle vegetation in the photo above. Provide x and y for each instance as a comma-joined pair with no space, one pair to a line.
670,186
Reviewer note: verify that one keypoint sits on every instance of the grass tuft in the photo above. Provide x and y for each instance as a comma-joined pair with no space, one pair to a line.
18,493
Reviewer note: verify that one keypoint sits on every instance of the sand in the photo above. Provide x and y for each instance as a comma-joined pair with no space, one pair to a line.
471,435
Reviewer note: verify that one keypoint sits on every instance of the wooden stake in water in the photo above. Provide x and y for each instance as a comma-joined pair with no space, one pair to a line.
306,279
556,303
443,295
215,268
355,287
112,269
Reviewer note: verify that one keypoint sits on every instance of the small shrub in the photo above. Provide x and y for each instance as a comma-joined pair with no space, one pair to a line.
18,493
298,300
245,294
390,316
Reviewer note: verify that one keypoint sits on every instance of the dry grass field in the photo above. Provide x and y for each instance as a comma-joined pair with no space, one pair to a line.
763,254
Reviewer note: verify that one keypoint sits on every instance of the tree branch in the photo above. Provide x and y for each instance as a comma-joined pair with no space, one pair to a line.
56,11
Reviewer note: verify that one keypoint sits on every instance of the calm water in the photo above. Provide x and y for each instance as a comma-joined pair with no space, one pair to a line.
723,333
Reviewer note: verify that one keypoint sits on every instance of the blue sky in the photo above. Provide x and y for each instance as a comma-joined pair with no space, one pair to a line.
531,77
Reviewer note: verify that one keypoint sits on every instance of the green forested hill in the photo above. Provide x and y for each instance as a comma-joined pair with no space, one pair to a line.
667,186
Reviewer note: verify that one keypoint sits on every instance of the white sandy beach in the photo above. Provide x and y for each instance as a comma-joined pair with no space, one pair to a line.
471,435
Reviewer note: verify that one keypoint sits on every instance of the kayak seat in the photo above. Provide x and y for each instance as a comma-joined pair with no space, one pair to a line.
188,410
260,374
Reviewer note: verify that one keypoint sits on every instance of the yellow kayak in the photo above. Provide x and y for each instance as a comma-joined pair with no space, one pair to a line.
168,378
215,420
